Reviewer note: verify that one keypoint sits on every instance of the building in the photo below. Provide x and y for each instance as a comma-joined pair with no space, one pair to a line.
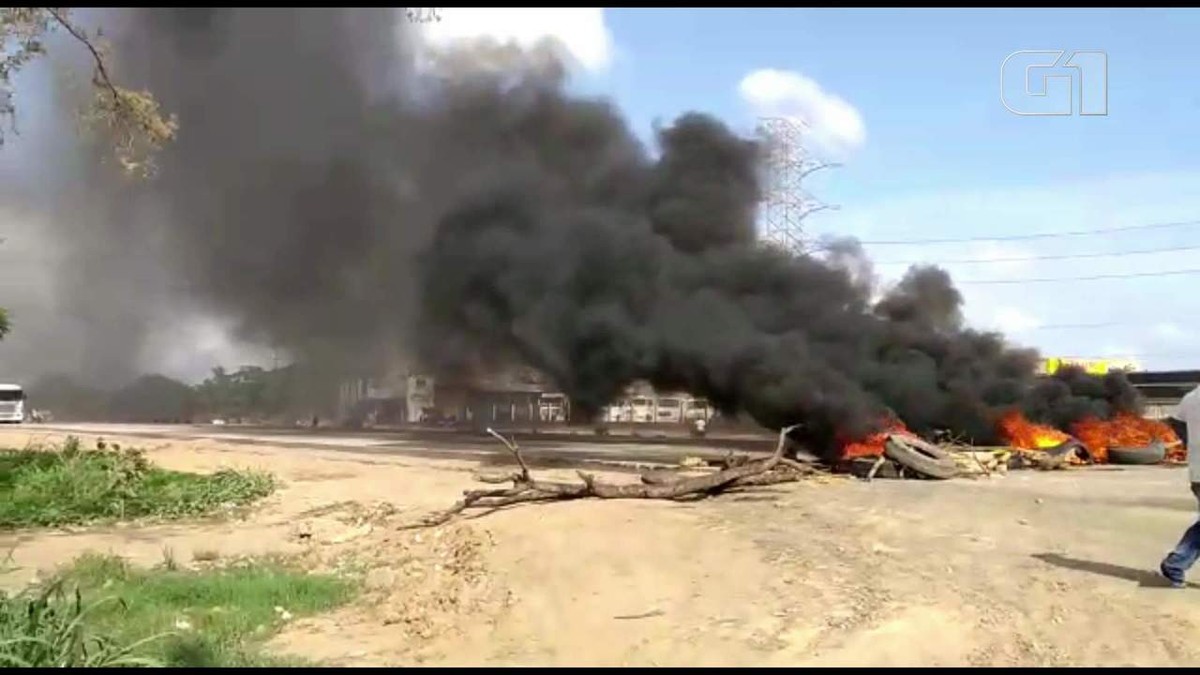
1164,389
516,395
507,396
1051,365
394,398
519,396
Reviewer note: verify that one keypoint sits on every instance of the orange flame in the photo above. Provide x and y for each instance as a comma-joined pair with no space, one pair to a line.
1125,430
872,446
1021,433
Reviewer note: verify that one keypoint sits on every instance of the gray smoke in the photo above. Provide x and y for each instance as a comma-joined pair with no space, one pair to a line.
332,194
280,207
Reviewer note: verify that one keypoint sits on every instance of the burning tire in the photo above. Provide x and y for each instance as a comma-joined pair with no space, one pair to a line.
1071,447
922,457
1150,454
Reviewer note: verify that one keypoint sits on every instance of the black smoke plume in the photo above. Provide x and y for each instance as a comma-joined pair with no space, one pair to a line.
1072,394
340,191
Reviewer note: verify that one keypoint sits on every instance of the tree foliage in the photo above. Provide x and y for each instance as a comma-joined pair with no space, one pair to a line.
248,392
131,120
5,326
152,398
67,399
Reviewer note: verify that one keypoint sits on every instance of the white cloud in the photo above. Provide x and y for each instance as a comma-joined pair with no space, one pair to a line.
835,124
580,33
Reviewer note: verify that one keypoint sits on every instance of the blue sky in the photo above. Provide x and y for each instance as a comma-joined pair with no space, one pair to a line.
942,156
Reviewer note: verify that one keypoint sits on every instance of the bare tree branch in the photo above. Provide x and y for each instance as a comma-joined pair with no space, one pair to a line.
132,119
526,489
512,447
101,69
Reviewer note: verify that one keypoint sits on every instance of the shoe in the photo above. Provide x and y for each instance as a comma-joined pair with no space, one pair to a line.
1175,583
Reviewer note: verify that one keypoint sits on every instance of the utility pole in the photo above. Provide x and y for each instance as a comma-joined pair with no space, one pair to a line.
786,202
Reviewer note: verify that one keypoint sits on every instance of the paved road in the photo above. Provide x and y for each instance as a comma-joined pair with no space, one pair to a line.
542,450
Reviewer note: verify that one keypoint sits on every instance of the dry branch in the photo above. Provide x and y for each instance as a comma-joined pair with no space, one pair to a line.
512,447
525,488
875,467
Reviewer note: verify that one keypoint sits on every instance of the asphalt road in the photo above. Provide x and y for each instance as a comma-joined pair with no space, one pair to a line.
541,449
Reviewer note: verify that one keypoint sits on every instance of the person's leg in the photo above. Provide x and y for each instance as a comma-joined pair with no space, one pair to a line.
1186,552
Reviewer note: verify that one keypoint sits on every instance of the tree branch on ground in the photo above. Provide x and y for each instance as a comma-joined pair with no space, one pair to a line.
739,471
131,119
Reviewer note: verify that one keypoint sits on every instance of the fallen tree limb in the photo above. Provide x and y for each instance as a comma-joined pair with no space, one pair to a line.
526,489
512,447
875,467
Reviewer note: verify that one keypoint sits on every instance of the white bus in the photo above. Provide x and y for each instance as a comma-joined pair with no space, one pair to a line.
12,403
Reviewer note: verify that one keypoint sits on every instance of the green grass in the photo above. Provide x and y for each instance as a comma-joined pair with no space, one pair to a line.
47,629
208,618
72,486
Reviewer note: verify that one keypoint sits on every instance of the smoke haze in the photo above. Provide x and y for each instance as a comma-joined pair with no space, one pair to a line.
342,194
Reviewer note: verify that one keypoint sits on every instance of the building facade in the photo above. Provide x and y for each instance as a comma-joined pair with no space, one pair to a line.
510,396
1163,390
507,396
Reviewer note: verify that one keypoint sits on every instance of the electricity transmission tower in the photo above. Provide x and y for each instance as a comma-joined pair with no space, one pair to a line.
786,202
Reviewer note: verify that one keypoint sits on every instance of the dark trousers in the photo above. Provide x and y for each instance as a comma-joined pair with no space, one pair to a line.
1187,551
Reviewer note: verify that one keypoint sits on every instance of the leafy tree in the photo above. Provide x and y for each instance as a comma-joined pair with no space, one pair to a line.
131,119
152,398
250,391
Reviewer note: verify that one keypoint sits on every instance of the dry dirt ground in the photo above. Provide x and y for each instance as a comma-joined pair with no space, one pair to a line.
1028,569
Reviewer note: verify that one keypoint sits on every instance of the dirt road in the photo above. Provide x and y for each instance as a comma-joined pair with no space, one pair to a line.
1029,569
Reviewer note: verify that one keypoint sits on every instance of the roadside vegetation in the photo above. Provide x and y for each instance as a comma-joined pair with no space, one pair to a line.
70,485
100,611
247,393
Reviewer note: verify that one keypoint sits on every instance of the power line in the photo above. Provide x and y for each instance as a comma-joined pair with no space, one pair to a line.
1084,326
1032,258
1040,235
1097,277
